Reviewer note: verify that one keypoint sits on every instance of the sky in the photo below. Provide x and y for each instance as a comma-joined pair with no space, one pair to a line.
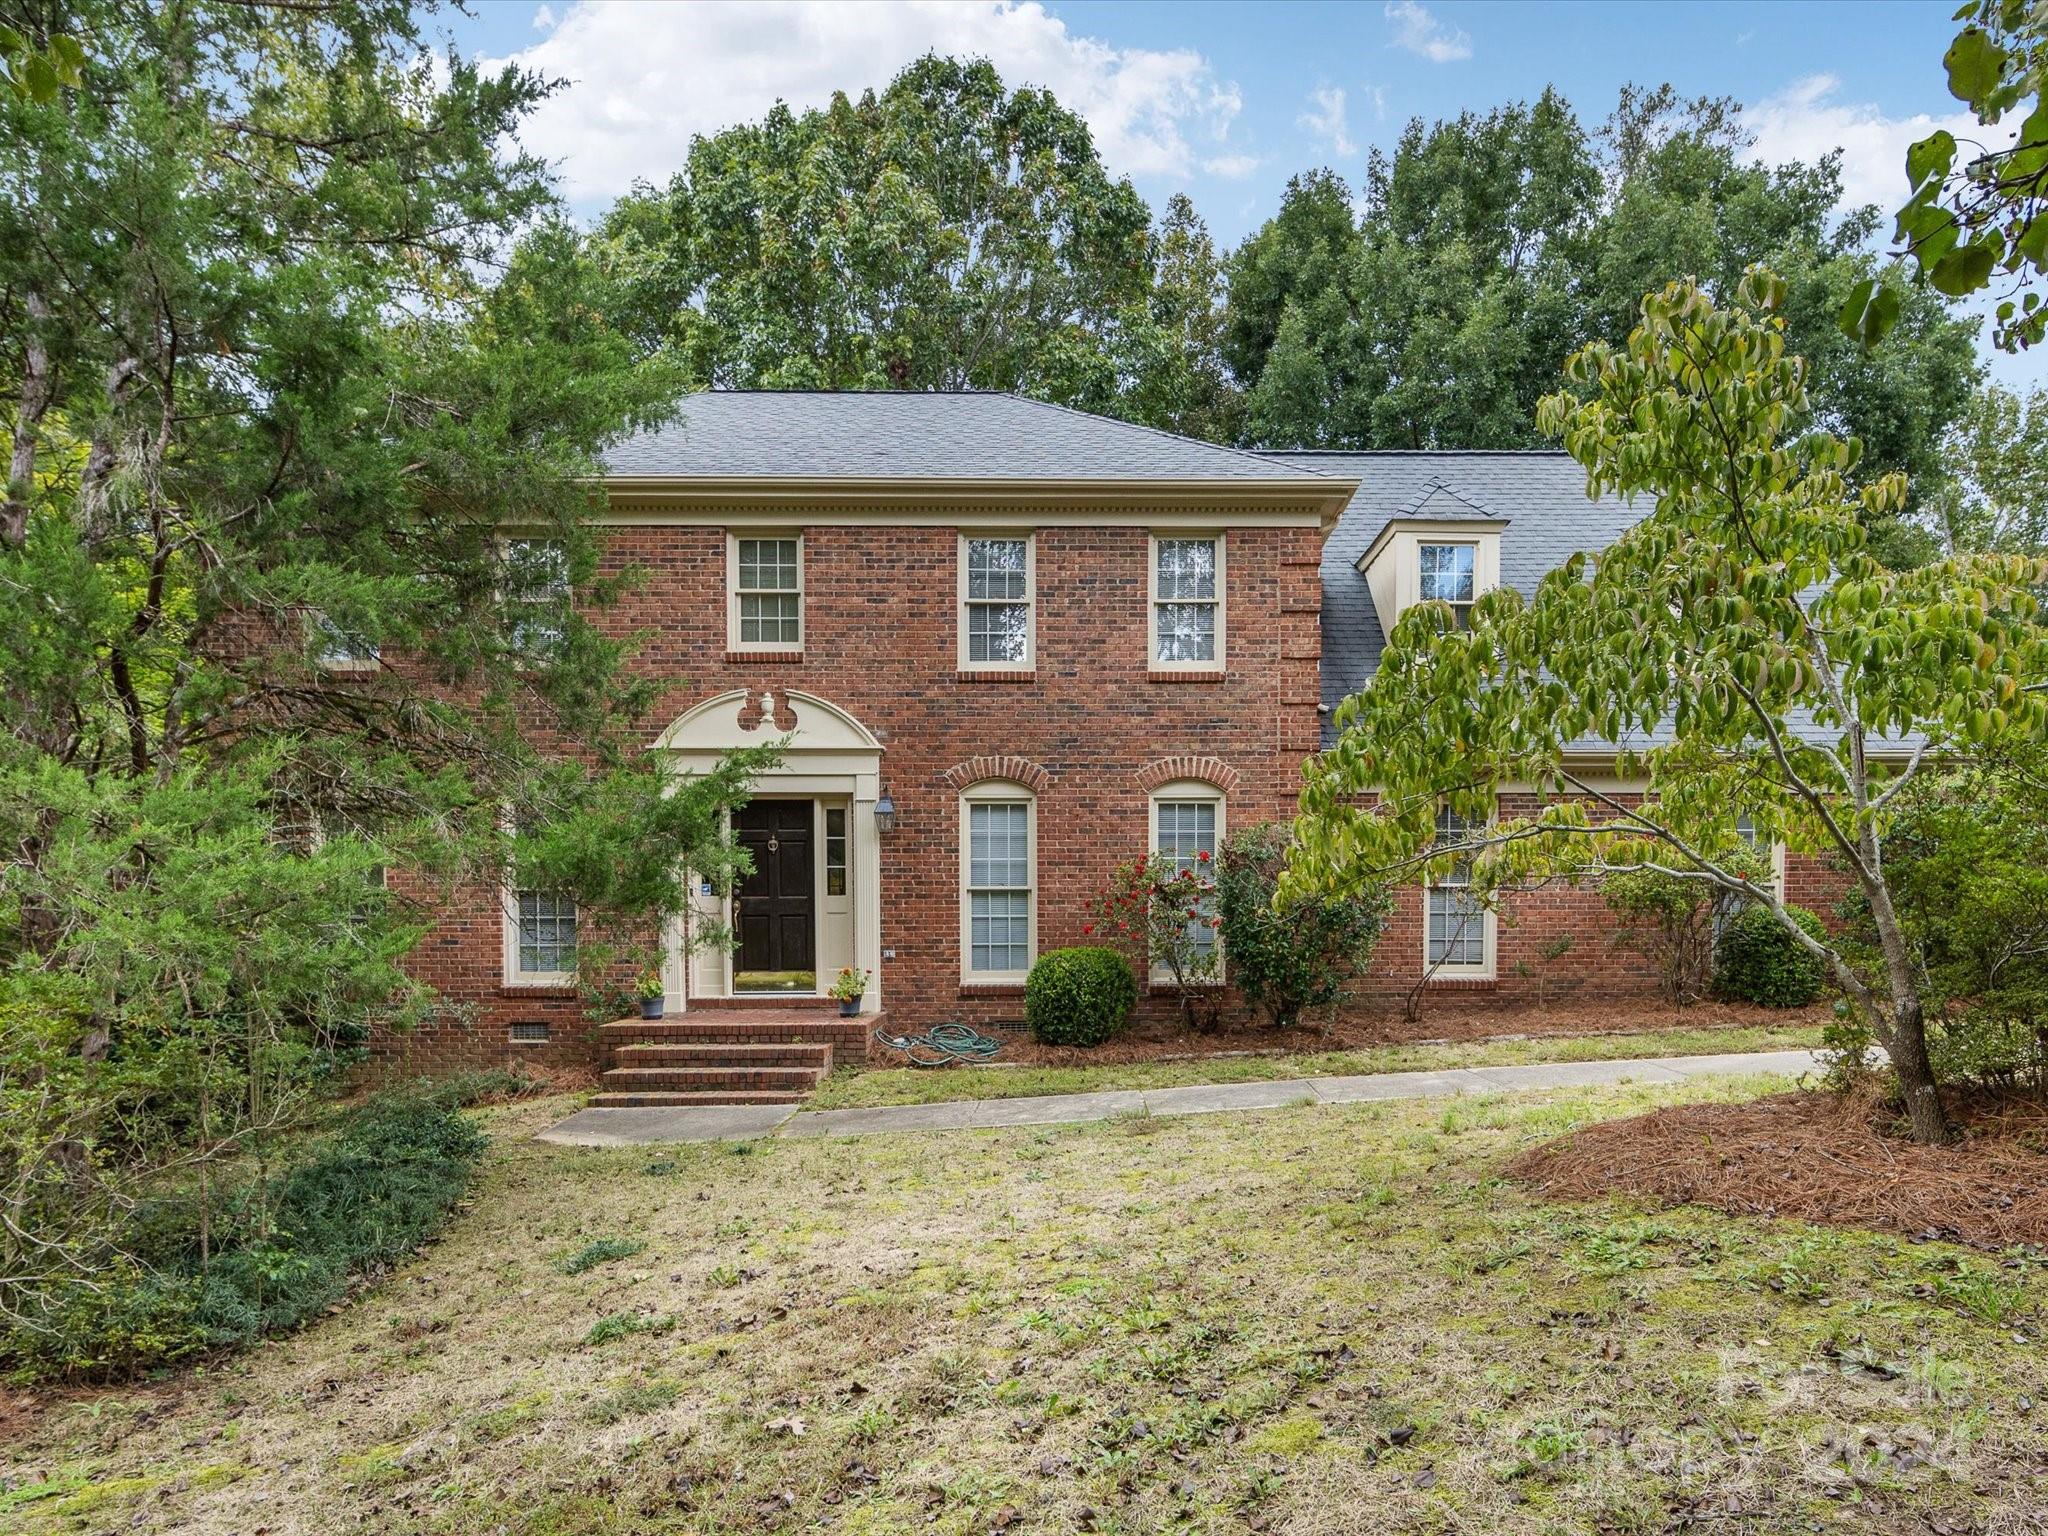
1225,101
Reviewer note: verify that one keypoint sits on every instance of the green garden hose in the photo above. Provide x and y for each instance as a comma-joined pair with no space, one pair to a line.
943,1045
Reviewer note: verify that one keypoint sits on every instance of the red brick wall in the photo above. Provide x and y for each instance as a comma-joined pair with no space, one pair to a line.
880,642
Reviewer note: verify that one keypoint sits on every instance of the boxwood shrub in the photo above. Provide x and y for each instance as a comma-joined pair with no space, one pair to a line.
1080,996
1757,961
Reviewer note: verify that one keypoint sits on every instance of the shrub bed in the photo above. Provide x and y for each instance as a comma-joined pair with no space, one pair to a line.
275,1253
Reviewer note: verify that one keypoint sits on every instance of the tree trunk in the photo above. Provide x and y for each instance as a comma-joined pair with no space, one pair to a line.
1908,1051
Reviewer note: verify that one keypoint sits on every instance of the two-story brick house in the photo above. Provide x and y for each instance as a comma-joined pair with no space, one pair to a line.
1009,645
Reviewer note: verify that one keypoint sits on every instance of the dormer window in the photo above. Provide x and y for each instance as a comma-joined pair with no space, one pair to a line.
1447,574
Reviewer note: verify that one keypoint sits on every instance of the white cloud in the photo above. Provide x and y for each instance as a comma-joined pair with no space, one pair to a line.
1421,33
543,18
1807,119
1231,167
644,78
1328,120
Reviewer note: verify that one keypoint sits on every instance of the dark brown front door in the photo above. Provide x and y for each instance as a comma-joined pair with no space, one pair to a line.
775,901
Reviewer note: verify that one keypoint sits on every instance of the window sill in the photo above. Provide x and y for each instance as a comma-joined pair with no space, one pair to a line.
1462,984
762,658
539,988
1201,675
1157,988
991,989
995,675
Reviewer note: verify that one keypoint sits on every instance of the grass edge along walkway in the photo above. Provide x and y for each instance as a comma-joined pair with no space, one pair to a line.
744,1122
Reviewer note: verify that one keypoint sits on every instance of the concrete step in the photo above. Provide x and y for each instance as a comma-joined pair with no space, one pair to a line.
688,1100
716,1079
724,1053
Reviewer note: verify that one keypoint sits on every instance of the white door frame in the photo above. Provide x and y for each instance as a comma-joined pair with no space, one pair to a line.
827,754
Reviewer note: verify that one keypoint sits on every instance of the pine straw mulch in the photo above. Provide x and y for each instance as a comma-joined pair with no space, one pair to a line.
1837,1159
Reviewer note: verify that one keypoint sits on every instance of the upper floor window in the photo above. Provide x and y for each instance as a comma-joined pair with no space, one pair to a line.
996,602
1187,603
1456,925
998,885
1449,574
767,594
536,588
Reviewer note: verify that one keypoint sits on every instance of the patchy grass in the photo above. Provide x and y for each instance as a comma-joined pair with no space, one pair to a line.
604,1250
1324,1320
868,1087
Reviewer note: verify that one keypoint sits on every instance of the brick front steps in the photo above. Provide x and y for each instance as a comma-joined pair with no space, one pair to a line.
750,1054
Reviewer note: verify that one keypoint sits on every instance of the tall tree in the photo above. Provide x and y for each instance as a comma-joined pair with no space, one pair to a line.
1798,680
1994,490
946,233
1490,247
290,336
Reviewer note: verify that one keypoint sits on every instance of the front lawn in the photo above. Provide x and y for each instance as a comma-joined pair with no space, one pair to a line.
869,1087
1313,1320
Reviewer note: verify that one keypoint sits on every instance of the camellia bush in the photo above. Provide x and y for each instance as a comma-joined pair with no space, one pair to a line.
1794,686
1287,962
1163,915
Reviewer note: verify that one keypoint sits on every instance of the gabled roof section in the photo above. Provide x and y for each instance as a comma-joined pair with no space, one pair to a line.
1538,497
902,435
1439,498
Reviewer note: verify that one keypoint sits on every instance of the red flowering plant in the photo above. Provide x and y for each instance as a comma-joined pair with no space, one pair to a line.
1161,912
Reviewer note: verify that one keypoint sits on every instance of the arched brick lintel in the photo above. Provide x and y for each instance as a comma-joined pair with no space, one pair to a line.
1018,770
1207,770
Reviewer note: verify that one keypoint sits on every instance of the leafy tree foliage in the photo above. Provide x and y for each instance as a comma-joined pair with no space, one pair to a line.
1492,246
1972,222
1802,682
291,335
946,233
1968,856
1994,486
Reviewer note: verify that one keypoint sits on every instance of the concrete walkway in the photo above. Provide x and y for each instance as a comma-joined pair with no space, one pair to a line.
744,1122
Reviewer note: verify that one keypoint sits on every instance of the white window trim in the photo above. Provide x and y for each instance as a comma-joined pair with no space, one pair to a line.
1030,660
1152,601
506,603
1422,542
732,591
1003,792
514,976
1489,950
1183,790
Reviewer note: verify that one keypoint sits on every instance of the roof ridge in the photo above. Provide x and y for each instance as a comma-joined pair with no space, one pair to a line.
1139,426
1436,484
1412,453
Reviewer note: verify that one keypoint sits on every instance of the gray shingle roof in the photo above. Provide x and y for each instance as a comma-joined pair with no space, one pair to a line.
1539,498
906,435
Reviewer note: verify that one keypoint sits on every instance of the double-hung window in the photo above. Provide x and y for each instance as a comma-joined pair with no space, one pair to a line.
536,590
997,883
767,589
1187,824
540,936
996,601
1455,940
1448,573
1187,603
